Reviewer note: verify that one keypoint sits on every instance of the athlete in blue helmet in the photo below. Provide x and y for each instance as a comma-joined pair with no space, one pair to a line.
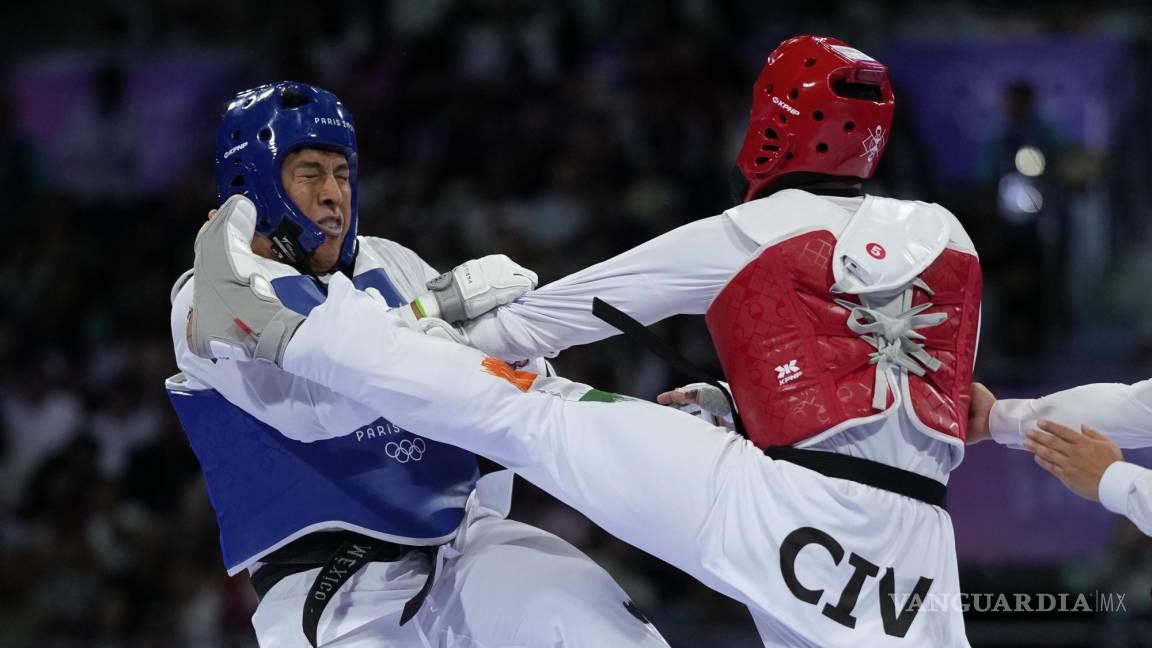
357,532
271,145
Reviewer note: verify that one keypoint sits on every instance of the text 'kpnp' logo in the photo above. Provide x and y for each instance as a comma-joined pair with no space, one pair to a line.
235,149
779,102
788,372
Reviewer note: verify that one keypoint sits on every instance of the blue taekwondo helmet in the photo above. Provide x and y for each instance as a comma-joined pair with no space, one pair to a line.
260,128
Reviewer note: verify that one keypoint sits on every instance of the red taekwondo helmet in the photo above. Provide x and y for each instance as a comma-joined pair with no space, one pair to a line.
819,106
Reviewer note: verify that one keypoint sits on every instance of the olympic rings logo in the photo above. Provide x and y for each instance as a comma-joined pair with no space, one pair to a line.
407,450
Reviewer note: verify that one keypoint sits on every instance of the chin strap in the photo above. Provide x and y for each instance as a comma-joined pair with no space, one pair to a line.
286,245
286,248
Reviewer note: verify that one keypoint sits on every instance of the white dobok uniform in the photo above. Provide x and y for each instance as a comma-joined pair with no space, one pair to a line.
819,561
498,583
1121,412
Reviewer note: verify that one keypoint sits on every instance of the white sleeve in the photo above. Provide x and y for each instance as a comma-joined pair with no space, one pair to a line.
299,409
1127,489
1123,413
680,272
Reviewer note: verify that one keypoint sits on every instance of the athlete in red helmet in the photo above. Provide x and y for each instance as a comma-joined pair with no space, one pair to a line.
846,324
820,108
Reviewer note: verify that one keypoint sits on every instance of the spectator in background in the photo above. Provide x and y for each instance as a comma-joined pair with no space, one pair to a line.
19,172
1015,165
1023,127
99,156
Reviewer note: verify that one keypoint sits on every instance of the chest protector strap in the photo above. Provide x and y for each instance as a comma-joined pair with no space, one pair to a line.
879,257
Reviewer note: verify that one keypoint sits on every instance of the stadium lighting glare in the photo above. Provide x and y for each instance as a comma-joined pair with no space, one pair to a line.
1030,161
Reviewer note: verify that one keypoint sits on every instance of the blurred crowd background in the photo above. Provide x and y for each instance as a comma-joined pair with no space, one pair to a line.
559,133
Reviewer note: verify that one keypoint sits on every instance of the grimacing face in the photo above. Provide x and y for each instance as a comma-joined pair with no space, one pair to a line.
318,182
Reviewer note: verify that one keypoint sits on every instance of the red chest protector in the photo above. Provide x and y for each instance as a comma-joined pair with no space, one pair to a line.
799,374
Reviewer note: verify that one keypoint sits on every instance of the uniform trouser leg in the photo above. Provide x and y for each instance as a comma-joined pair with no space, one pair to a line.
696,496
647,474
506,584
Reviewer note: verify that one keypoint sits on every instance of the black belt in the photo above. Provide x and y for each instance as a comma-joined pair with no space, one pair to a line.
867,472
338,555
632,327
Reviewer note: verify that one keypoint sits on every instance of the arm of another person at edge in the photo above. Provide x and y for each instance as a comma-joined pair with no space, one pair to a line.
1092,466
1121,412
679,272
1126,489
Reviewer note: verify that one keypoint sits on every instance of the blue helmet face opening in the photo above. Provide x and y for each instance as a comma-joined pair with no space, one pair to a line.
259,129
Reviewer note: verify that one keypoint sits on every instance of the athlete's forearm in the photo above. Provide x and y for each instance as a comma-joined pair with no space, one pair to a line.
679,272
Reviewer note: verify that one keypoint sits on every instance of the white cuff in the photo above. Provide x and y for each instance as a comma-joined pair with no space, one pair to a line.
1005,425
1117,483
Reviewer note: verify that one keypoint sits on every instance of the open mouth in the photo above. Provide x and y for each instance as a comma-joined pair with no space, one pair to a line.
332,226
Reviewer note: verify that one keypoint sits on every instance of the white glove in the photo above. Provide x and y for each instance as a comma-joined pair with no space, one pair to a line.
475,287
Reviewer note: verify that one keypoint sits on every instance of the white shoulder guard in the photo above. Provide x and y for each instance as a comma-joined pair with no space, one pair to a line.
404,268
373,250
887,244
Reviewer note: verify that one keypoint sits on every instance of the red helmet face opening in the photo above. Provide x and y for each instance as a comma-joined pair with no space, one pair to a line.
819,106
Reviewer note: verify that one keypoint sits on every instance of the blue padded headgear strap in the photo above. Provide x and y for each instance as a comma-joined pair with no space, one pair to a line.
260,128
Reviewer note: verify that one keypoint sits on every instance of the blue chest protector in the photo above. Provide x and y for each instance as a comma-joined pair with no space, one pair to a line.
379,479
